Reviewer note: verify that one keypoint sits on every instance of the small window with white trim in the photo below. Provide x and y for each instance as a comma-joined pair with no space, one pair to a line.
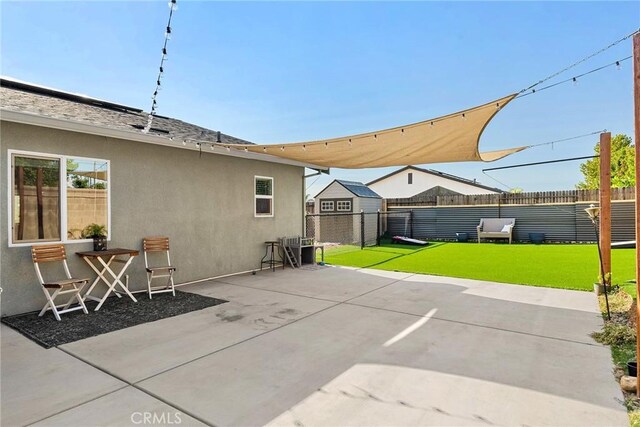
326,206
263,196
54,198
343,205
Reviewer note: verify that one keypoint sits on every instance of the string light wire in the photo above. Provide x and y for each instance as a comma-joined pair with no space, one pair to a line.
573,79
575,64
167,35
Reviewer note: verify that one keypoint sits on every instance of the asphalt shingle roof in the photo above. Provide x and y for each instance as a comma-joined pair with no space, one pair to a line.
23,97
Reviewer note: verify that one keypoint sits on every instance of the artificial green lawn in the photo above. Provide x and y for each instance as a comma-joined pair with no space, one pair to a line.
570,266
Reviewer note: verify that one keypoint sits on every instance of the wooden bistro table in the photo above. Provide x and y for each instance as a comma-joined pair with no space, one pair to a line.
96,260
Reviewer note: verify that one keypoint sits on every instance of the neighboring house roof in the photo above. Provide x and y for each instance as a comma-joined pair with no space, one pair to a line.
440,174
25,97
357,188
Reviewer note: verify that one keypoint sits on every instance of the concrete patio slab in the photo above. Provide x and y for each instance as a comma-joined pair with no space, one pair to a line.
329,283
545,297
136,353
379,395
128,406
510,309
255,381
389,348
38,382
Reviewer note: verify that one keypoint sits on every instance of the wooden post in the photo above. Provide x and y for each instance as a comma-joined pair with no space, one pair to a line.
636,116
605,205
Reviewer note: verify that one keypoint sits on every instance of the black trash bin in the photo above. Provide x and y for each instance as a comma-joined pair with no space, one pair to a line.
462,237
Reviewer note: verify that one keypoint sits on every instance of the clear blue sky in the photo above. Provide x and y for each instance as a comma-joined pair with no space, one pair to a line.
284,72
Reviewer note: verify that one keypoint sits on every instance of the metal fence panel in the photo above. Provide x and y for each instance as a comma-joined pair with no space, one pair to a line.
557,222
623,221
397,222
452,220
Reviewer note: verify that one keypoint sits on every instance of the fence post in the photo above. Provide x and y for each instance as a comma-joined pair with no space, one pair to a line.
378,230
411,223
361,229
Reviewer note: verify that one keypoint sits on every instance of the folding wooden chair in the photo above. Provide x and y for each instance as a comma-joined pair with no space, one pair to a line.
158,245
52,289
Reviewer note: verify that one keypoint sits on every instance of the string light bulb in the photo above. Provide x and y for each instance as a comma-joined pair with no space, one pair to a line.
228,148
464,116
431,123
264,149
618,66
173,5
326,145
304,148
575,81
349,142
282,148
213,147
184,142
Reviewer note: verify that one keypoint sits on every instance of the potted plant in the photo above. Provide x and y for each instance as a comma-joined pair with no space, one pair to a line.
98,233
598,287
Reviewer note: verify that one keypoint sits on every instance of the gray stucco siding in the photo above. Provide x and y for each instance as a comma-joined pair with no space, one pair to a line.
204,204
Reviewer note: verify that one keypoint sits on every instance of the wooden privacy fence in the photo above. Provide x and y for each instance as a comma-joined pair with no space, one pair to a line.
530,198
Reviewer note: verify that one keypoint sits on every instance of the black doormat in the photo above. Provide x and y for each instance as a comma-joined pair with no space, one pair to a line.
115,314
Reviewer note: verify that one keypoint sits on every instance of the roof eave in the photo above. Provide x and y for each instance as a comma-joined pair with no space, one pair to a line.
80,127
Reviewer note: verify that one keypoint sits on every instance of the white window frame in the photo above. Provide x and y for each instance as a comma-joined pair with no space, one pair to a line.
62,158
256,197
343,201
322,202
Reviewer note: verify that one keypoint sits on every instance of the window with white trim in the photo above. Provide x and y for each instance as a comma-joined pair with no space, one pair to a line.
343,205
263,191
53,198
326,206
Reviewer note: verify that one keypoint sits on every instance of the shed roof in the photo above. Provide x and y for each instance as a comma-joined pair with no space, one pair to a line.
358,189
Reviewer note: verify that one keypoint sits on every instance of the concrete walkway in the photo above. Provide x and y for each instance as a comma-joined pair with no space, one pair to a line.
328,346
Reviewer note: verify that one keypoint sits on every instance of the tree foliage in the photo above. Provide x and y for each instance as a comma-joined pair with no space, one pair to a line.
622,165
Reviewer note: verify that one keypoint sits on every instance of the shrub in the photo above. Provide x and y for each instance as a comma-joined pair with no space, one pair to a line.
615,334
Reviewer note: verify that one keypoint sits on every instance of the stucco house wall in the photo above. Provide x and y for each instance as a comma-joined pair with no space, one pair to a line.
396,186
205,204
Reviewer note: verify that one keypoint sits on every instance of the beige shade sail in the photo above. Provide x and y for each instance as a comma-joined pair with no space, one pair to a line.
450,138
